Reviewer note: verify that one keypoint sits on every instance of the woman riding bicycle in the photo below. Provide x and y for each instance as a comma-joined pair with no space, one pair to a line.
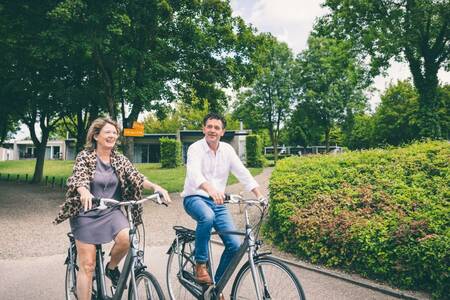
101,172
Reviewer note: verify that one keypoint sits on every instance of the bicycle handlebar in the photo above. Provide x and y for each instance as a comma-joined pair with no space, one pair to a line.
238,199
102,202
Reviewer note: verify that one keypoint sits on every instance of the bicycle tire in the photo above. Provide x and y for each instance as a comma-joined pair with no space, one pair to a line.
147,286
281,282
176,290
71,283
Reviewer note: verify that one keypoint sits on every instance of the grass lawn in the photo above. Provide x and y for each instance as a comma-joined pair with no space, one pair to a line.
171,179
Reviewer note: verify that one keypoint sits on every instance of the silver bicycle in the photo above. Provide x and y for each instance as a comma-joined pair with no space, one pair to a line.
261,277
142,284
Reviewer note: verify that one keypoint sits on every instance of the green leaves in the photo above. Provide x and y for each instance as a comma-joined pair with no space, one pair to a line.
381,213
330,81
413,31
170,153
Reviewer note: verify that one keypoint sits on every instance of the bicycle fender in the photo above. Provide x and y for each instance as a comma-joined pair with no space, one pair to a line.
172,247
263,254
140,269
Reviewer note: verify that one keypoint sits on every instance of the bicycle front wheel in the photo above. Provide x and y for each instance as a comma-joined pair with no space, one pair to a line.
180,266
147,287
71,282
275,280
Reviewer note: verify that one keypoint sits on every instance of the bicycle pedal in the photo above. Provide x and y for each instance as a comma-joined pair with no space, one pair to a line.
202,283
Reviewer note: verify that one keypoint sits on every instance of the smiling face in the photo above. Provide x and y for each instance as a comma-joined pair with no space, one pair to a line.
107,137
213,131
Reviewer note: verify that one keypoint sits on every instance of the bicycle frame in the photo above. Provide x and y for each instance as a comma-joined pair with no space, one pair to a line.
249,245
133,264
129,267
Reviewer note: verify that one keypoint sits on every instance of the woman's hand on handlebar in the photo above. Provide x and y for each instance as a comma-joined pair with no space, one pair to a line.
85,198
163,193
157,189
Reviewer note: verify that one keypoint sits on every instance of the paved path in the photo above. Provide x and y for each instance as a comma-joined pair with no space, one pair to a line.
32,250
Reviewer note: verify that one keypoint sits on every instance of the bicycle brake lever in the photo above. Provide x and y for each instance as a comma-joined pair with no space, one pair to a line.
102,205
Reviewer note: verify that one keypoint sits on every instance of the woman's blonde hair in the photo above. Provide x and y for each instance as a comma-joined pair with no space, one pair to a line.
94,130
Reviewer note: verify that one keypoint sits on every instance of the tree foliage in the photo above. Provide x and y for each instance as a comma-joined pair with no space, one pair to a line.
415,31
395,119
269,100
331,81
148,52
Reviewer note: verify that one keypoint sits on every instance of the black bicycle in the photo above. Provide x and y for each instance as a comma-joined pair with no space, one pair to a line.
142,284
261,277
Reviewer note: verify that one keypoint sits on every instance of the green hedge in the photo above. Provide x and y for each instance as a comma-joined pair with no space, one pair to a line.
384,214
253,147
170,153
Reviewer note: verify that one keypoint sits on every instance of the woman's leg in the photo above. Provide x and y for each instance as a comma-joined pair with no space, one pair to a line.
86,261
120,248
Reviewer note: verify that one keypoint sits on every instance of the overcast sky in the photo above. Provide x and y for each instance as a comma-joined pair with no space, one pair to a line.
292,20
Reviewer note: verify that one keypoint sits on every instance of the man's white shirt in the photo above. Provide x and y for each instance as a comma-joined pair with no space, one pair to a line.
205,166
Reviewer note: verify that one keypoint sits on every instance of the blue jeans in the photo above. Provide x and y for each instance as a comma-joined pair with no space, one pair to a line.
210,215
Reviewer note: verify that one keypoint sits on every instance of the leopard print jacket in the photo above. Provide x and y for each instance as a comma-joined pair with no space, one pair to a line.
130,180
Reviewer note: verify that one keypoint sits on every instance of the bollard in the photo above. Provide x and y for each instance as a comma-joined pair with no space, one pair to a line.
46,180
26,177
7,177
53,181
18,178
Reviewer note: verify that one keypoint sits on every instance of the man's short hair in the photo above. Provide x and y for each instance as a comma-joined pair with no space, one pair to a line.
214,116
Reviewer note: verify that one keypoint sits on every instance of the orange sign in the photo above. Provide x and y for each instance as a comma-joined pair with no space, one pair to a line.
137,130
133,132
137,125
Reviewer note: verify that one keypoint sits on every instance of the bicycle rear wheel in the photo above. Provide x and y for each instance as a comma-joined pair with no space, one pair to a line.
147,287
183,254
275,279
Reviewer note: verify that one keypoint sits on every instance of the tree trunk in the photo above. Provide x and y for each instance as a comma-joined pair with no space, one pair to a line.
424,72
39,166
327,139
428,109
274,144
40,157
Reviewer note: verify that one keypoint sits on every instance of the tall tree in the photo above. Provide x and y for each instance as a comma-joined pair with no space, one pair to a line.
149,52
415,31
268,103
35,72
395,119
330,80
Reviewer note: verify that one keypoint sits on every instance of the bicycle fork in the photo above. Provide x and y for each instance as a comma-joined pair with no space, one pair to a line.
251,252
99,272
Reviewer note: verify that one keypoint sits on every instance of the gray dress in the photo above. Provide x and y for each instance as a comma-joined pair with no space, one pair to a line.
100,226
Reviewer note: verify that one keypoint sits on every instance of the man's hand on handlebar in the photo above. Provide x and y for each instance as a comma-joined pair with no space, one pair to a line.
263,200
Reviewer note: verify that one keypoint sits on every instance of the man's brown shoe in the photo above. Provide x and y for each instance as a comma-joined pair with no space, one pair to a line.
221,297
201,274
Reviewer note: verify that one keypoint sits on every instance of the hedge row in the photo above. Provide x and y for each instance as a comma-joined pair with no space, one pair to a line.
253,149
384,214
170,153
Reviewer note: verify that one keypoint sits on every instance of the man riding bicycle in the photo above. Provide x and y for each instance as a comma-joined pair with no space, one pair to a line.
209,162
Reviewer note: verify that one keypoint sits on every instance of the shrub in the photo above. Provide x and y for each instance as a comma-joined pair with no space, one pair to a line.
253,147
381,213
170,153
